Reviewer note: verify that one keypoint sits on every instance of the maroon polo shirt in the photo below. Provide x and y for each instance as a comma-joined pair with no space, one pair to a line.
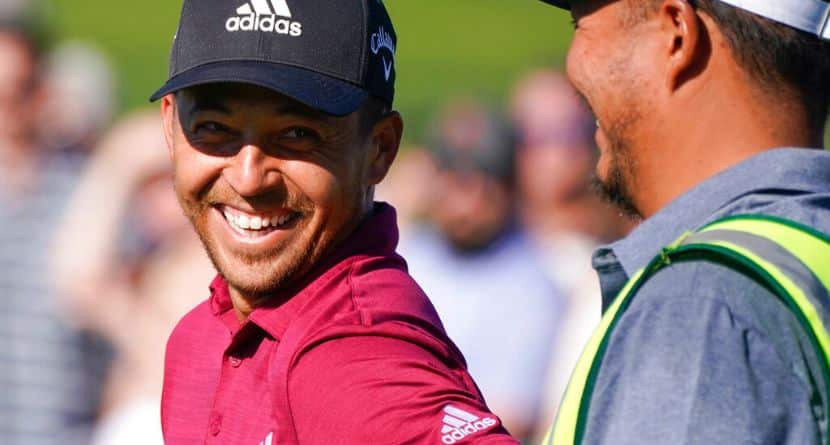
355,354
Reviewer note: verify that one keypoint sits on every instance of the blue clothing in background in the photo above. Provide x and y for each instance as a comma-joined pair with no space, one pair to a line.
499,307
705,355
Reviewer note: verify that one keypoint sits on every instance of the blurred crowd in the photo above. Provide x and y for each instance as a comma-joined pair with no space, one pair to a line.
98,264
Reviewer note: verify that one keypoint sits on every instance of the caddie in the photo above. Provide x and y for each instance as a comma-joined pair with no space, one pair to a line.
278,116
710,122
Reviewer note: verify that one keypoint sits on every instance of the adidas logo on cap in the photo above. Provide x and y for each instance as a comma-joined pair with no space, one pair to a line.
265,16
459,424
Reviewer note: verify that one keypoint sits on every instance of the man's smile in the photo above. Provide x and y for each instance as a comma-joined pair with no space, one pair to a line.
256,227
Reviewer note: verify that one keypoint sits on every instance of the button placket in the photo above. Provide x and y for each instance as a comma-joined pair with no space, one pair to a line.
215,424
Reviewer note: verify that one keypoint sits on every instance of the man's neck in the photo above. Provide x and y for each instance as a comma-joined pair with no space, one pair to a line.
722,132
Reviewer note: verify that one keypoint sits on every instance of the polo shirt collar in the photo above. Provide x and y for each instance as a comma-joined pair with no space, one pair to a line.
376,235
780,170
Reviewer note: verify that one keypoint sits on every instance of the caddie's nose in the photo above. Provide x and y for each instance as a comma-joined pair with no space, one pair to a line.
252,172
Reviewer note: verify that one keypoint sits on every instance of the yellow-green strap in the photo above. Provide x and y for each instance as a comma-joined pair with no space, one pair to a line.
567,419
808,247
798,239
569,423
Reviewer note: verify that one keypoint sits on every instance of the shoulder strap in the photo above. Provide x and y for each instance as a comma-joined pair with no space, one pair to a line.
790,259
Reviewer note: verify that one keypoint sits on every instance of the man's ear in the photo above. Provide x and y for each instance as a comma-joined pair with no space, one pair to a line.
169,116
686,43
386,140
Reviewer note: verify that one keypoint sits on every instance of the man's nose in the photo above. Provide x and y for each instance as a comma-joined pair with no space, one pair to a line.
252,171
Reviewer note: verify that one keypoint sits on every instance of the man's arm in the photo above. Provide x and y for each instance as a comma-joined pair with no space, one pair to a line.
382,390
702,357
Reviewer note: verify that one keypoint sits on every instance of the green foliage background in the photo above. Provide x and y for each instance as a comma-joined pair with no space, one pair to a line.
446,48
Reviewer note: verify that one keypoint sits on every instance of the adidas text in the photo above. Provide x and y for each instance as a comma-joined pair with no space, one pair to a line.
471,428
459,424
266,16
268,23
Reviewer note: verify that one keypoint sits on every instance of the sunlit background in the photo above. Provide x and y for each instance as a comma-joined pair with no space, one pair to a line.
446,47
492,191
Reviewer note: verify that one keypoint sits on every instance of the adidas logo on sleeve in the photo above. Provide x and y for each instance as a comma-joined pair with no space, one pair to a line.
265,16
459,424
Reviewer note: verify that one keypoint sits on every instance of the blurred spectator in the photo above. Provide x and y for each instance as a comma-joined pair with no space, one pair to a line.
408,186
556,158
50,373
135,275
478,269
80,97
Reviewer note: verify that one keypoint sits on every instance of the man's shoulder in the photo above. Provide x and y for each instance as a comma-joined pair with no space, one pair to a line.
695,282
383,285
809,208
701,341
367,296
685,303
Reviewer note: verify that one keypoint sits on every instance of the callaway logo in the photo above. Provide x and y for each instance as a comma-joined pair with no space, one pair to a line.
262,15
459,424
379,41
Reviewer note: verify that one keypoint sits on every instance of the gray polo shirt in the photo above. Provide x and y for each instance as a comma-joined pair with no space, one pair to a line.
705,355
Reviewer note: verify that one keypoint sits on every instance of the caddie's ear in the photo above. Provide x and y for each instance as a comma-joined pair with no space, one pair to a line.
386,140
169,116
686,44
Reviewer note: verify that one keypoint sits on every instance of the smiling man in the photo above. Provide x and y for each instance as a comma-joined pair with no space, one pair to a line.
710,118
279,122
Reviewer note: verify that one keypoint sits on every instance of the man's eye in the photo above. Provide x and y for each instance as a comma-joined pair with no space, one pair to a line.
211,127
300,133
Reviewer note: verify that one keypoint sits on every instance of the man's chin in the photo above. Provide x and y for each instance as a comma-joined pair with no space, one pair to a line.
260,277
613,191
253,286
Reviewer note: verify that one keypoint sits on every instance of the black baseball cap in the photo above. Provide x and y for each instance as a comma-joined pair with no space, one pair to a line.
564,4
329,55
810,16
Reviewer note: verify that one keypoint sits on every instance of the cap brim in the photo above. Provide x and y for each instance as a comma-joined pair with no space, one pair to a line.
564,4
329,95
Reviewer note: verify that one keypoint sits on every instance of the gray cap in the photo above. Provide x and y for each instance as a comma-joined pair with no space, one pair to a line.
811,16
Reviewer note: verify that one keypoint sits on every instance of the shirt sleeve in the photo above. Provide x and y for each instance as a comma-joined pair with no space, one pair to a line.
694,361
382,390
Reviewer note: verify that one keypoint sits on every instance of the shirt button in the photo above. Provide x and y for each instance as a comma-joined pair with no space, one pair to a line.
235,361
215,424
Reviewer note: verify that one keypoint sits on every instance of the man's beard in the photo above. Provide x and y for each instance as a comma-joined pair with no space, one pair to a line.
289,272
259,276
616,187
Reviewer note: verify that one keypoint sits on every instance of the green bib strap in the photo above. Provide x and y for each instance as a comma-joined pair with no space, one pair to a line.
791,259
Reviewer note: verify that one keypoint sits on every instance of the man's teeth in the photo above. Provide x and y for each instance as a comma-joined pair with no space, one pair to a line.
256,222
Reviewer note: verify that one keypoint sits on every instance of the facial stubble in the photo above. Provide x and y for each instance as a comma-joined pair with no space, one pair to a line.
615,188
259,275
618,186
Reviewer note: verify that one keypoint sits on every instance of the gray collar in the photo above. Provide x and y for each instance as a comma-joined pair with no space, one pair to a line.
779,171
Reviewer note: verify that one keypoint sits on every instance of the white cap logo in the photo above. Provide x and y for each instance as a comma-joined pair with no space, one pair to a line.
265,16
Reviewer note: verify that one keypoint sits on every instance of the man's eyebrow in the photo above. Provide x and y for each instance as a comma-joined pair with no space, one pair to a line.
209,104
298,110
